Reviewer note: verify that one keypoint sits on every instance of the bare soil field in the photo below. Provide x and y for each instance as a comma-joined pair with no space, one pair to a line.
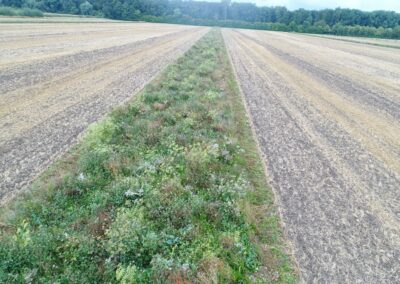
56,79
327,117
373,41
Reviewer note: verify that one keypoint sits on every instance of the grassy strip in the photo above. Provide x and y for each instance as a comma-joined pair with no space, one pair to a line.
168,189
21,12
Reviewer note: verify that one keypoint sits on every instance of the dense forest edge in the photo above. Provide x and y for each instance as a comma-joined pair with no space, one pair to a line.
345,22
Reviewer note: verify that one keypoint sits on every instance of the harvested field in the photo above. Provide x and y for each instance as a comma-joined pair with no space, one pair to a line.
57,79
373,41
327,117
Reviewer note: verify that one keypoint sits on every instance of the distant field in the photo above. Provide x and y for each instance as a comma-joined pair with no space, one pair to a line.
373,41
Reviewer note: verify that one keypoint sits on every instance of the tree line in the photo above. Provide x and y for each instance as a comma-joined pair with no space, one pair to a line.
225,13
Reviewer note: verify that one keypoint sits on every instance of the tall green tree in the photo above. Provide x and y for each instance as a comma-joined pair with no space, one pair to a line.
86,8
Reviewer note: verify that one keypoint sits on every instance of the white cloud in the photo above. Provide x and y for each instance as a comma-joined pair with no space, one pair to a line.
365,5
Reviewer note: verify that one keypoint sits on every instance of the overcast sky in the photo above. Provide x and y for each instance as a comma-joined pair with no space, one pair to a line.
365,5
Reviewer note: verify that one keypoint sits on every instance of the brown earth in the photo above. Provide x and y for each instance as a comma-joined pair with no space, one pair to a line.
395,43
56,79
327,117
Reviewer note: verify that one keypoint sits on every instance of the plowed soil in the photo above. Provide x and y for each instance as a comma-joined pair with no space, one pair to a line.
56,79
327,117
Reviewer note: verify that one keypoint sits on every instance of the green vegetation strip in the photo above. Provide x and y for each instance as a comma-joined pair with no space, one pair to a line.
167,189
21,12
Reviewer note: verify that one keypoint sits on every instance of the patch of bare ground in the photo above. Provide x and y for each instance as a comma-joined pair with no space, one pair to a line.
326,114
